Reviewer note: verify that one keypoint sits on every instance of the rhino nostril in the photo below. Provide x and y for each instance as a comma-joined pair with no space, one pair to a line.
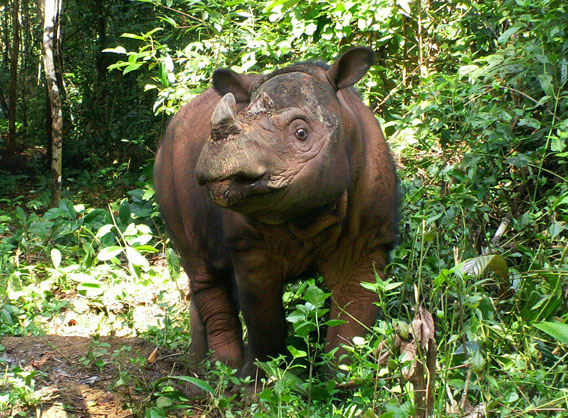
246,179
249,175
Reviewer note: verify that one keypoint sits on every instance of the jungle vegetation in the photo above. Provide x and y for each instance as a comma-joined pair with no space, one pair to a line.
473,98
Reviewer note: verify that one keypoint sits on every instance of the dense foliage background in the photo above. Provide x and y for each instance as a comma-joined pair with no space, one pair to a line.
473,98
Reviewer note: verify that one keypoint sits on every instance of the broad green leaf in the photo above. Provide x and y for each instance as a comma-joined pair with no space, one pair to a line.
117,65
174,264
68,207
334,322
468,69
6,316
103,230
393,285
155,411
296,353
286,4
404,6
557,144
56,257
130,230
505,36
109,252
477,361
118,50
124,212
296,316
80,277
135,257
201,384
555,329
555,229
476,266
144,229
143,239
303,328
91,216
545,81
163,75
164,402
54,213
132,36
146,249
131,67
168,20
90,286
315,296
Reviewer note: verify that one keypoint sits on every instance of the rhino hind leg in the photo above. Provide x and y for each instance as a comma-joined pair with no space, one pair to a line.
353,303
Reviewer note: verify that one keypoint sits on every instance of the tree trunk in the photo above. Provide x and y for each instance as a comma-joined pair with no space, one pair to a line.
101,35
4,62
11,145
3,103
25,78
52,9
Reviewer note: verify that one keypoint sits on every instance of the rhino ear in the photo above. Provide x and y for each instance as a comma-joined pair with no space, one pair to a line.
350,67
227,81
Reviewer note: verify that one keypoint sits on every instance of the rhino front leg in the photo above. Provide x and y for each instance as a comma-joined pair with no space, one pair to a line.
260,299
215,324
198,349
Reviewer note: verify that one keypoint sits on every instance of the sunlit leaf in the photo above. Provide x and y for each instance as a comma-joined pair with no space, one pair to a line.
55,257
131,67
118,50
103,230
477,266
174,263
135,257
555,329
296,353
109,252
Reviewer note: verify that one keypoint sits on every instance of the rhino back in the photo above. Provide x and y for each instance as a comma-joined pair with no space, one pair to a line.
374,197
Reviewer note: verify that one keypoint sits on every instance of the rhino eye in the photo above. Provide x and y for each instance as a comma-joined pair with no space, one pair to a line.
301,134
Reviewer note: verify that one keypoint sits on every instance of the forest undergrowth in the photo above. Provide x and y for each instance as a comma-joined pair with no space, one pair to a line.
473,99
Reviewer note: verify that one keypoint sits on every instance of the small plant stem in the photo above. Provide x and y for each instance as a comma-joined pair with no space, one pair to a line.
464,342
563,255
116,227
546,145
310,375
465,389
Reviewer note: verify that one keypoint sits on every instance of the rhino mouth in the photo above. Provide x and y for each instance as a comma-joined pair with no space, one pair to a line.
231,192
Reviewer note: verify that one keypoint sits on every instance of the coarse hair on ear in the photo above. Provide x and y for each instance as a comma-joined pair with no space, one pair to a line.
227,81
350,67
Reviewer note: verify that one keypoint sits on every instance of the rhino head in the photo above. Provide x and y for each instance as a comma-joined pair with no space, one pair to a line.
288,151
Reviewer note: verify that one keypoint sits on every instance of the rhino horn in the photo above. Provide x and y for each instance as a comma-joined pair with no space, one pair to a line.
262,104
223,120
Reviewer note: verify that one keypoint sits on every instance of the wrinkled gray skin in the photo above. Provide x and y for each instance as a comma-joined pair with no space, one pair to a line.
266,178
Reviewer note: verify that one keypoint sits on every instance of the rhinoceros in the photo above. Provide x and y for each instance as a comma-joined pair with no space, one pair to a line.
263,179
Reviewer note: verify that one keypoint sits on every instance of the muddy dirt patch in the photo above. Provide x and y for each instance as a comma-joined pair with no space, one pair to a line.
83,377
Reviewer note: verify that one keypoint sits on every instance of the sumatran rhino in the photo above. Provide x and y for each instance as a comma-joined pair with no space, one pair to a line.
267,178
